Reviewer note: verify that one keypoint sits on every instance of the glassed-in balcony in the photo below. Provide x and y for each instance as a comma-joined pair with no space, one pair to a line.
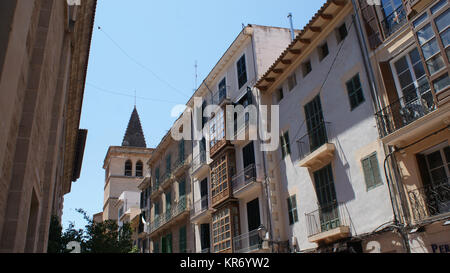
430,201
328,223
394,21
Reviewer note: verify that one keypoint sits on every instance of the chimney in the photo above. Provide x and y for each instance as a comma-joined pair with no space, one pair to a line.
292,27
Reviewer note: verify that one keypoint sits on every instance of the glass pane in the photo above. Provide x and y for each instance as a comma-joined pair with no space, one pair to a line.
441,83
419,71
430,48
405,79
425,34
442,21
435,160
420,20
438,175
447,153
445,37
435,64
438,6
401,65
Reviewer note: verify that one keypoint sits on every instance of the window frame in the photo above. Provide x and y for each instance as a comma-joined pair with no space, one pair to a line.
355,91
292,208
242,73
431,20
285,145
373,170
292,81
322,53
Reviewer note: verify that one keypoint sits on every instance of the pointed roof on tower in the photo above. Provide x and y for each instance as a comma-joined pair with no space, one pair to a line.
134,136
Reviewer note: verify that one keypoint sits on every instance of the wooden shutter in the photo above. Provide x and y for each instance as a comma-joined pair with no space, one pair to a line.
367,173
371,24
291,218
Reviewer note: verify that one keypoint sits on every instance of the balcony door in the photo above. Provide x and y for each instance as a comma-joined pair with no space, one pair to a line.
326,196
248,154
254,222
315,124
205,236
204,193
435,167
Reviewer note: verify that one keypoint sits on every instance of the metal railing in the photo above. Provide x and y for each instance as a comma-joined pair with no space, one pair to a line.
177,209
243,178
201,205
405,110
166,177
247,242
155,186
430,201
314,139
327,217
220,97
394,21
198,161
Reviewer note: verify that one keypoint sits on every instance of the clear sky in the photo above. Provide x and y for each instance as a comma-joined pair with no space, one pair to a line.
150,47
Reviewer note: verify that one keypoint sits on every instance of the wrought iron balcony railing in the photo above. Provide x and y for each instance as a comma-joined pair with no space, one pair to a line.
201,205
430,201
177,209
327,217
243,178
314,139
220,97
198,161
247,242
394,21
405,110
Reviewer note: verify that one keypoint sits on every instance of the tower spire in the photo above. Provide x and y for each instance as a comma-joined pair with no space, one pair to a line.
134,136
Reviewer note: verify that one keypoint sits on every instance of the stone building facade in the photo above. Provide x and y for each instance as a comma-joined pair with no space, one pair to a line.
44,50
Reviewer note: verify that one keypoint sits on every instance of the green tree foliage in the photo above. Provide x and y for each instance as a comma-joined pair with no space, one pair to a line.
105,237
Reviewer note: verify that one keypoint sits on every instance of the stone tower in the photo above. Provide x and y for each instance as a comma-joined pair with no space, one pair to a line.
125,166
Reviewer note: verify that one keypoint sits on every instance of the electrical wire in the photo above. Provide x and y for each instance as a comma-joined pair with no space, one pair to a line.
141,65
128,95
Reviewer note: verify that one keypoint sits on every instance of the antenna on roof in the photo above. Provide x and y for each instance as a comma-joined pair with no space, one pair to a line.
292,26
196,76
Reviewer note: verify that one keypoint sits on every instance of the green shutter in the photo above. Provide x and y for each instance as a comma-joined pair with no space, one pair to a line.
183,239
371,170
169,243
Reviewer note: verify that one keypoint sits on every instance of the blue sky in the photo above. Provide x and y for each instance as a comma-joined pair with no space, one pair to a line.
150,47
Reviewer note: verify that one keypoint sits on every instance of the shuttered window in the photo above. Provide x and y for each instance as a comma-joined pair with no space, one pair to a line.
355,93
241,71
182,239
292,209
285,144
371,171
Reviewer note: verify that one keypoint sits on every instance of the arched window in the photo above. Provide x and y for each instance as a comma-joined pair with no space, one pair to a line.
139,168
128,168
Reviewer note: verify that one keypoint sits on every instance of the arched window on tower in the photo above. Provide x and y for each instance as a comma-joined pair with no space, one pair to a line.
128,168
139,169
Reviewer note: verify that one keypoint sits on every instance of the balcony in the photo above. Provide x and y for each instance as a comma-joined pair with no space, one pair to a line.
180,166
199,166
245,182
430,202
178,210
166,179
248,242
315,149
328,224
201,211
156,189
396,120
394,21
221,98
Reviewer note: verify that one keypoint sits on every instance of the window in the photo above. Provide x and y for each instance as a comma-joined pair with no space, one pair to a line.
306,68
139,169
182,188
219,177
355,93
241,72
168,164
216,128
222,230
279,95
155,247
128,168
291,81
222,89
292,209
285,144
433,37
371,171
323,51
157,177
182,239
393,14
181,151
342,32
